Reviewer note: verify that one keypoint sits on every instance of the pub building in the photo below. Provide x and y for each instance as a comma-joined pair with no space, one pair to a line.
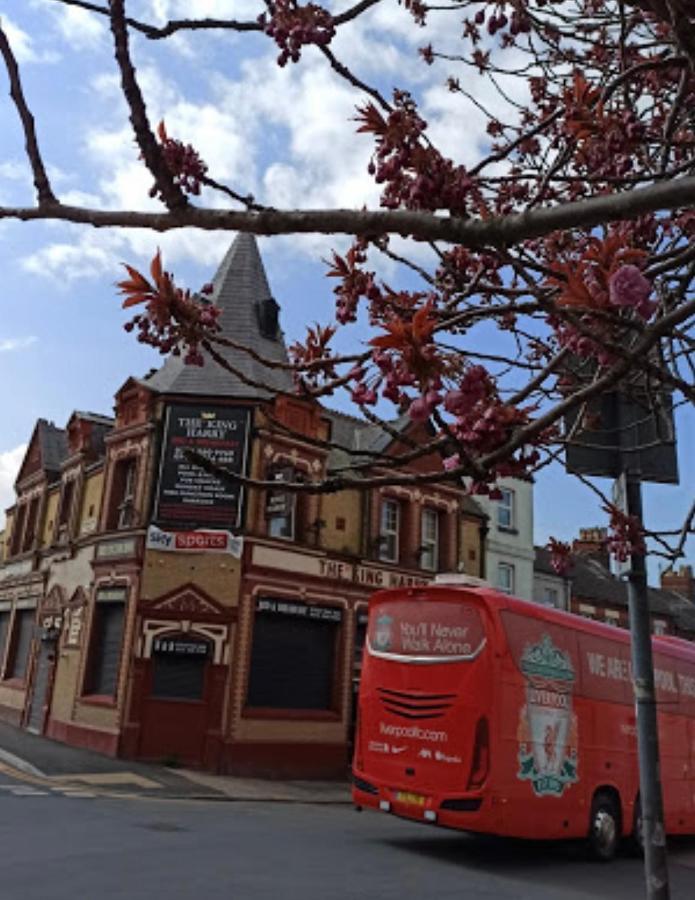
149,611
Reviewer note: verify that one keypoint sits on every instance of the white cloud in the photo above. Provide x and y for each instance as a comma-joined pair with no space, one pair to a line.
9,344
10,461
23,45
82,29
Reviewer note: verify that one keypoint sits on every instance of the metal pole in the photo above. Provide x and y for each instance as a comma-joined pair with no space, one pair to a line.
652,807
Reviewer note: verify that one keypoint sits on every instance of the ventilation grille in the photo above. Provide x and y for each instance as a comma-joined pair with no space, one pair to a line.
411,705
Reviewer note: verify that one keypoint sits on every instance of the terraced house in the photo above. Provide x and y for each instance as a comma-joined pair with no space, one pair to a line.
149,610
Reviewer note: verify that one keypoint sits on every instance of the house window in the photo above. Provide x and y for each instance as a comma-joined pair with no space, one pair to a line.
65,509
505,578
293,657
4,631
122,504
429,540
30,528
18,527
106,640
550,596
20,645
505,510
388,530
659,626
281,508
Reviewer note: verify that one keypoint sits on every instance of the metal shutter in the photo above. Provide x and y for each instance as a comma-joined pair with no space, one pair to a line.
106,647
24,634
292,663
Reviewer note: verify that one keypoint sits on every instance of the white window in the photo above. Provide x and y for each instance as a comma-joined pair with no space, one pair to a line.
550,597
505,578
281,508
126,507
388,531
505,509
429,540
659,626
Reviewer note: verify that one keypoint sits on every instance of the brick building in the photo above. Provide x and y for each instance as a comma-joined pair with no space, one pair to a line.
591,590
151,611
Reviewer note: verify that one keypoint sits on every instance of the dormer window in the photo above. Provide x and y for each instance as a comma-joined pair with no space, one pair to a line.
122,505
268,318
65,509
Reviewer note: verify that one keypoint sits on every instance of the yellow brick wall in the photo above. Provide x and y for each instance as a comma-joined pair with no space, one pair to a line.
65,686
91,499
12,698
348,506
218,574
470,546
49,517
102,717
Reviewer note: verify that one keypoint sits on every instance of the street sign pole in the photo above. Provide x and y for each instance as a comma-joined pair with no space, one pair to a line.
651,802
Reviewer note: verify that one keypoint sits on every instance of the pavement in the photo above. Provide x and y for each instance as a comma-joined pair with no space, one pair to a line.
42,761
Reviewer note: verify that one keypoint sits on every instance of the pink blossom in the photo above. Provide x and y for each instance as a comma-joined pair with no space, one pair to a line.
420,410
629,288
451,462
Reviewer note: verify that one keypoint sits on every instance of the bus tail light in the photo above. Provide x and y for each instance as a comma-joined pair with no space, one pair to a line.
480,765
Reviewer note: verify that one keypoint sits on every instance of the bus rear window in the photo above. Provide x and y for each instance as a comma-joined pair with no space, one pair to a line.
425,630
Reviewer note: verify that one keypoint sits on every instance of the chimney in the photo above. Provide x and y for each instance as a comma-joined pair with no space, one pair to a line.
591,543
682,582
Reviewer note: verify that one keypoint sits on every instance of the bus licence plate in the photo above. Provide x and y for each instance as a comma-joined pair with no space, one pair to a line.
411,799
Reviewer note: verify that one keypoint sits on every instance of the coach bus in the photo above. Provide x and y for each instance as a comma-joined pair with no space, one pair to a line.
490,714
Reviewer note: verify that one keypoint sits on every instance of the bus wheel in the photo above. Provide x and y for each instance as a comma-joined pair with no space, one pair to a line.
604,827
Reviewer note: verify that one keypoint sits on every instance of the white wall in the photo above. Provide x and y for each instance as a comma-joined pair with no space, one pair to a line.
511,546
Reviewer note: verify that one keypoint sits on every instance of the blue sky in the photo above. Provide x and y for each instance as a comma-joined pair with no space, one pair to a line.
62,346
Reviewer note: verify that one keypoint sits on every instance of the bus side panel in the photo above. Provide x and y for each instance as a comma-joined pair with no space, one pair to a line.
536,805
673,755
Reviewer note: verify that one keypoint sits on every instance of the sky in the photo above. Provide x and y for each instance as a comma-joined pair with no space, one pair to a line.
284,135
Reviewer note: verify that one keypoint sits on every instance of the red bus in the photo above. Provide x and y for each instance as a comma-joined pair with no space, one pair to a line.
490,714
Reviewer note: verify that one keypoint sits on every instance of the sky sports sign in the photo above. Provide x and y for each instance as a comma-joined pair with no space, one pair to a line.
201,541
187,495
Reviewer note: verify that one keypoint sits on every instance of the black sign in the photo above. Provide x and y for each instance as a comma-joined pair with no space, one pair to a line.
278,504
300,610
181,647
628,428
188,495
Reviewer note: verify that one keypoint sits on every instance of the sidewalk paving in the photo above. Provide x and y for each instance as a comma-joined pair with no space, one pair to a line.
41,759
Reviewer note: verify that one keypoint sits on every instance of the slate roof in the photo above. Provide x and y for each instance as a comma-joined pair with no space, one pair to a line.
355,434
239,286
98,418
592,581
54,445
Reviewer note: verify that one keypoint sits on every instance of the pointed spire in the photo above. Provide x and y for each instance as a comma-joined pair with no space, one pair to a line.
241,290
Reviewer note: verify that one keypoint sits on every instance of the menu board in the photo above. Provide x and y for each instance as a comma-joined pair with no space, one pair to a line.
187,495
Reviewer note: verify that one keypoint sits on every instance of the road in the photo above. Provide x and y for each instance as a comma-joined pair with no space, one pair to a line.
57,846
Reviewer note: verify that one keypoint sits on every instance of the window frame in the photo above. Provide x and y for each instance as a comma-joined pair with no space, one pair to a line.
253,709
89,691
509,567
10,668
389,537
429,545
287,521
506,507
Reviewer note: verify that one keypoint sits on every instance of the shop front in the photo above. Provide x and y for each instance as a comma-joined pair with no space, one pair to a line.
301,634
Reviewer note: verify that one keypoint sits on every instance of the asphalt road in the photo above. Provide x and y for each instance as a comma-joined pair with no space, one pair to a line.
56,846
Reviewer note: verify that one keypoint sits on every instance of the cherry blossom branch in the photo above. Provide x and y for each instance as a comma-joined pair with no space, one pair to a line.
44,192
151,152
497,231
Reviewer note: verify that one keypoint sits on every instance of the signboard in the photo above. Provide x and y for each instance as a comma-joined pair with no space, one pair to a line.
113,549
334,569
186,493
627,430
194,541
181,647
299,610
